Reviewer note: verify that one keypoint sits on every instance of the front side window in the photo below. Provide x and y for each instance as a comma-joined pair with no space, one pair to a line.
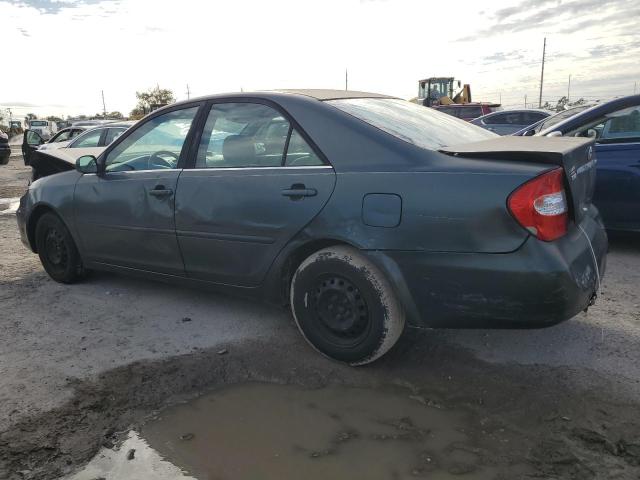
415,124
155,145
243,135
622,128
88,140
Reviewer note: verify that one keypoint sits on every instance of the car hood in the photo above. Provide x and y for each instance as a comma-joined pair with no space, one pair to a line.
70,155
53,146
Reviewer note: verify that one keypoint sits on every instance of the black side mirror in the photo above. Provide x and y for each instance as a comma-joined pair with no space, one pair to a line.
87,164
529,133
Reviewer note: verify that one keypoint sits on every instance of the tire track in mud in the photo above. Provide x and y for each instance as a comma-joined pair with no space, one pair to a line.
557,424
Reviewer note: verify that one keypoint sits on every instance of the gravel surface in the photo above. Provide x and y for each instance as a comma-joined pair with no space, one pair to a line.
81,363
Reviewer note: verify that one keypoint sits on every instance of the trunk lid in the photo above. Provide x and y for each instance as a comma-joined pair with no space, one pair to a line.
576,155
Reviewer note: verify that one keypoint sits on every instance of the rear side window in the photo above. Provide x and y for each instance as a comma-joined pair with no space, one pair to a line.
469,112
299,153
421,126
505,118
88,140
244,135
529,118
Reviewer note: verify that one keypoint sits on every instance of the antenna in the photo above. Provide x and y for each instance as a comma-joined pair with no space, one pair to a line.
544,50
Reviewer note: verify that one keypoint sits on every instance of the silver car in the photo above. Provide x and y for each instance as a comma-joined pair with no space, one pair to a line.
507,122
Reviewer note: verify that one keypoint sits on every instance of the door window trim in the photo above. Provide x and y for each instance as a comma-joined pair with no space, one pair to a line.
293,124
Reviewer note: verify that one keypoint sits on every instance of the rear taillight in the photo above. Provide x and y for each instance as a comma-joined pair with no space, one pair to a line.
540,205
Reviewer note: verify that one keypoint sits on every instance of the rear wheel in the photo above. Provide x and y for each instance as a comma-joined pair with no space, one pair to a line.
345,307
57,250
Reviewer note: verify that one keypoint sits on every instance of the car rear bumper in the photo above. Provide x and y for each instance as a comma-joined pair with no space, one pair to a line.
540,284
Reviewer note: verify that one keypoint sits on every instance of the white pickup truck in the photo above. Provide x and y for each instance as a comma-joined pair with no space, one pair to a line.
45,128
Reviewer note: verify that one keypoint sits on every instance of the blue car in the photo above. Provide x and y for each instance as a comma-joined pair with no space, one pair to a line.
615,125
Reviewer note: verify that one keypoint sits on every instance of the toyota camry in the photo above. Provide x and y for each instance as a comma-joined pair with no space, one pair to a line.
363,213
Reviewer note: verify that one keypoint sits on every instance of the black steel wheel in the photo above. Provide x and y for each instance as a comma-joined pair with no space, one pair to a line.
345,307
57,250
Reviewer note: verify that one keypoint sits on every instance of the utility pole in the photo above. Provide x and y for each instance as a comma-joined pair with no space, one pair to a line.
569,89
525,100
544,50
346,79
104,108
500,98
188,92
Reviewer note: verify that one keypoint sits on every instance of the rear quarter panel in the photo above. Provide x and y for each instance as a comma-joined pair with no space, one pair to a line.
443,211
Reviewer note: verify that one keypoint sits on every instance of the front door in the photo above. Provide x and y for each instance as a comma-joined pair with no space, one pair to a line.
617,193
257,181
31,140
125,215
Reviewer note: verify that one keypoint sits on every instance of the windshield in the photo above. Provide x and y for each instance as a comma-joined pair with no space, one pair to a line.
415,124
38,123
559,117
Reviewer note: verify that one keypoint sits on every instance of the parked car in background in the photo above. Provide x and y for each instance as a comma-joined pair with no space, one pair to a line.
90,123
468,111
323,200
62,138
507,122
550,121
5,150
615,127
45,128
90,142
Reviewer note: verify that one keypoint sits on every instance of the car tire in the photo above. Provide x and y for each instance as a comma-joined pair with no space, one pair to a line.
57,250
345,307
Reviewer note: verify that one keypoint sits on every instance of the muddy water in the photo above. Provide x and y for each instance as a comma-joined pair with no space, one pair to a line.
284,432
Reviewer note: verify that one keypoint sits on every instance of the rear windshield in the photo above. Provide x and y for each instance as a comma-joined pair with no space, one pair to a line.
38,123
421,126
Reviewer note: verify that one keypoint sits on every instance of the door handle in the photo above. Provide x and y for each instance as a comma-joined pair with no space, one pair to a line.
298,191
160,191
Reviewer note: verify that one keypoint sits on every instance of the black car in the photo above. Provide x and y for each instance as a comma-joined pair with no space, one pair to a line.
362,212
5,150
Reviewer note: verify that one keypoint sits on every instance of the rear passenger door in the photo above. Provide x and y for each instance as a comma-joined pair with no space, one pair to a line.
256,180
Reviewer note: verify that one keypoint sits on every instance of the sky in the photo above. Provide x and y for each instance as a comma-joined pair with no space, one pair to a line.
66,52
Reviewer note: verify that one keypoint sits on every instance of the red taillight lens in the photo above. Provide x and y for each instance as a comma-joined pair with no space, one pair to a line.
540,205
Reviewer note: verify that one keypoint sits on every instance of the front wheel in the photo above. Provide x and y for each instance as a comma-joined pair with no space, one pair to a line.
57,250
345,307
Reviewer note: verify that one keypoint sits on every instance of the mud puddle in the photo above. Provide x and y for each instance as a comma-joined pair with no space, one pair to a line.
273,432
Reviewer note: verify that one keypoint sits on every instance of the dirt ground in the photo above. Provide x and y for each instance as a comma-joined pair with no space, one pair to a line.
83,365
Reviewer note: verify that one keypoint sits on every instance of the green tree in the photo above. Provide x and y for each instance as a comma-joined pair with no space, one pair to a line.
151,99
31,116
115,115
53,118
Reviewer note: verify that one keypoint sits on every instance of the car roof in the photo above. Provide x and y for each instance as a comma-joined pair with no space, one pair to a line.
314,93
